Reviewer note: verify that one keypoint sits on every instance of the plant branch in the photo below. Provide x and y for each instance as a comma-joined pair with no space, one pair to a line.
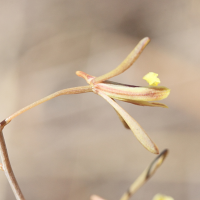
6,166
8,169
75,90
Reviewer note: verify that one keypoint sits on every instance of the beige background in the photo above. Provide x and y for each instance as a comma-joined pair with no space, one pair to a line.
75,146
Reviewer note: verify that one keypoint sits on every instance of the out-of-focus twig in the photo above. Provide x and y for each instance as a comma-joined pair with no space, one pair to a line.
147,173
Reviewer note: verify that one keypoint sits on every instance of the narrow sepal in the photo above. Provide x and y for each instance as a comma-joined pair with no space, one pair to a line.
122,119
137,130
129,60
146,103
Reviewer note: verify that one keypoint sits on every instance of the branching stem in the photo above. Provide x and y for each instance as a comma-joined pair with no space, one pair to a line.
6,166
8,169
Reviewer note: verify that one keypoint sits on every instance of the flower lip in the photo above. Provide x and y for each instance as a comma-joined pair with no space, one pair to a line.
137,93
126,92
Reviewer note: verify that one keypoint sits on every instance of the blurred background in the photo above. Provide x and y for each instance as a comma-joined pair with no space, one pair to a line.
74,146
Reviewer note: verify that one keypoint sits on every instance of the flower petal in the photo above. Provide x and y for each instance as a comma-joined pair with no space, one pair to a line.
122,119
146,103
128,92
134,126
130,59
139,103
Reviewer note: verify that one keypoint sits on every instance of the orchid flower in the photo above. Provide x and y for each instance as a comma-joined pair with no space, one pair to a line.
109,91
112,91
129,93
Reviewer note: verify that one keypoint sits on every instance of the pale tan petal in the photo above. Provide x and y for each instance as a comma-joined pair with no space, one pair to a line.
130,59
134,126
131,92
146,103
122,120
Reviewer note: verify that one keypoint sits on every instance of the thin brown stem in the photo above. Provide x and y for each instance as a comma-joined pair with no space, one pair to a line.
75,90
8,169
6,166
